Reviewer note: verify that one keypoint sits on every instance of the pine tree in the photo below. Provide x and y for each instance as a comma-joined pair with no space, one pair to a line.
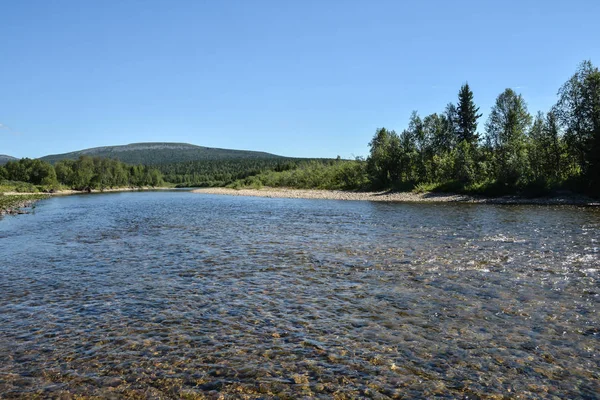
467,116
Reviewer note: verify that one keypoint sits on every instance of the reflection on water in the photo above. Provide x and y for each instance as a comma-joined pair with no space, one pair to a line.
170,295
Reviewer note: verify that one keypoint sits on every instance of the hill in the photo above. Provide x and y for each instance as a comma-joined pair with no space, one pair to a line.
4,159
162,153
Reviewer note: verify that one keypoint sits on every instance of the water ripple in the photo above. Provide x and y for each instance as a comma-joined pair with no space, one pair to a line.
171,295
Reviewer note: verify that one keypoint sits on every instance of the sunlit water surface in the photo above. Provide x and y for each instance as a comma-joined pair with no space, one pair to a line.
174,294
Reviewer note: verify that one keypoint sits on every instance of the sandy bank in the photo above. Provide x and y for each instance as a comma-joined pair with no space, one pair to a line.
408,197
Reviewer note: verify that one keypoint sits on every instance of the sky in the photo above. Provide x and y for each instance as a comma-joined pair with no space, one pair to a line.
301,78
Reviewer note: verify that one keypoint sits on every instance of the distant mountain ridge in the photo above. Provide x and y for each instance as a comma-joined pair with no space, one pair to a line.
156,153
4,159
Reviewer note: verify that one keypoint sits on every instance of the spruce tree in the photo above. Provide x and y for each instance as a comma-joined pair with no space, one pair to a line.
467,116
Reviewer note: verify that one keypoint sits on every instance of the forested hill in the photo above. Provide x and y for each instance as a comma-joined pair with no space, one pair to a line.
161,153
4,159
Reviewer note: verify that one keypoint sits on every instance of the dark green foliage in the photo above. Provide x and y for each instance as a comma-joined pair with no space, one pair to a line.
312,174
205,173
466,137
442,152
506,130
578,111
34,171
463,157
467,116
546,149
160,153
385,162
81,174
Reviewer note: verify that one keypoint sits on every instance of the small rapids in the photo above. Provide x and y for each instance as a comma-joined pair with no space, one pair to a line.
175,295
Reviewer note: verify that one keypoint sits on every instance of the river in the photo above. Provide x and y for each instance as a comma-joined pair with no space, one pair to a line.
182,295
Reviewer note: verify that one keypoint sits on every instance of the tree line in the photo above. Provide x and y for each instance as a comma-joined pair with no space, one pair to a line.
222,172
332,174
81,174
515,152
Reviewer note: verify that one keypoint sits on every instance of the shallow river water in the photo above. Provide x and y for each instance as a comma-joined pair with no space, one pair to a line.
182,295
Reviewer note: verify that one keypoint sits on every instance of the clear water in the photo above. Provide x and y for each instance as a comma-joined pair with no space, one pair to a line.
175,294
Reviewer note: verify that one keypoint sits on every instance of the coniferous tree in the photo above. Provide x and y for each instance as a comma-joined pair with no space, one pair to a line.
467,116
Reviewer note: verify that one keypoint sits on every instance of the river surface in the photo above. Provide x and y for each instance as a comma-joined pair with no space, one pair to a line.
182,295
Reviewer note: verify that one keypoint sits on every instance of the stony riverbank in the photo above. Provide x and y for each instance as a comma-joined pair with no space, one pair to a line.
408,197
15,204
63,192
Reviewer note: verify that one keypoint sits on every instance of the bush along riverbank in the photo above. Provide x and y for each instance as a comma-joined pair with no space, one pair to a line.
517,154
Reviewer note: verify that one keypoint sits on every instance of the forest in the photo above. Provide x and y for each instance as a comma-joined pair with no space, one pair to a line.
82,174
203,173
516,152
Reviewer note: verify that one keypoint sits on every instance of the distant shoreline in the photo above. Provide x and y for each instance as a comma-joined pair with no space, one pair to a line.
16,204
288,193
404,197
21,200
72,191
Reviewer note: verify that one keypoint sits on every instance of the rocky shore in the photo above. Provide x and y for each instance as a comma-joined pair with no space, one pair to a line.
64,192
13,203
407,197
17,204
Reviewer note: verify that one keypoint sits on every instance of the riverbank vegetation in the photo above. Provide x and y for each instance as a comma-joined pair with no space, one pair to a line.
86,173
515,153
313,174
217,173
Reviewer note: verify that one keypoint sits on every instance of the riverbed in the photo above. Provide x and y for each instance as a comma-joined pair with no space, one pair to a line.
175,294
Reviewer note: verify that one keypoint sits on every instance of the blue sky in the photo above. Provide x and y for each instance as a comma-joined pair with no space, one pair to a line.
310,78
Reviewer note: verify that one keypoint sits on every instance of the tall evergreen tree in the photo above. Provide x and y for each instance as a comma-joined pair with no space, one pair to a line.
467,116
